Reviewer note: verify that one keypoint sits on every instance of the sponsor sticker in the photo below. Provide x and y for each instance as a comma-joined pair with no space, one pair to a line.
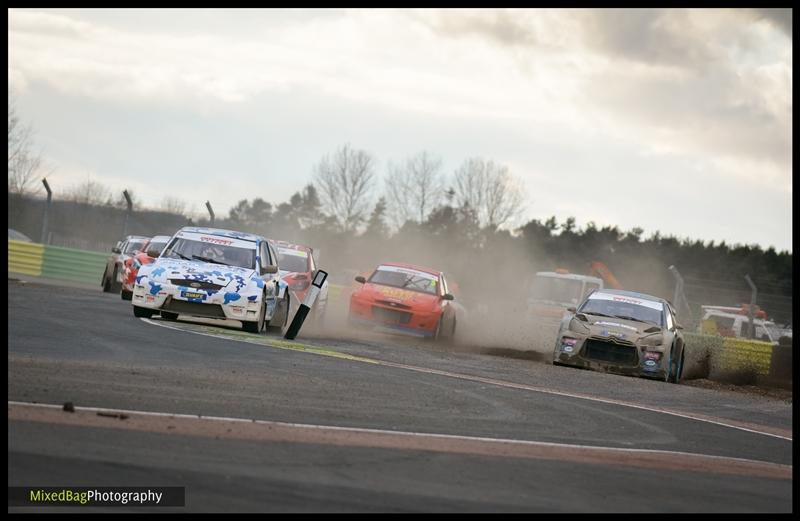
216,240
191,294
628,300
224,241
567,349
615,324
396,293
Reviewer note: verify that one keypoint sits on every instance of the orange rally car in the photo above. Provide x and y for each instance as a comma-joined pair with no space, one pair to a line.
405,298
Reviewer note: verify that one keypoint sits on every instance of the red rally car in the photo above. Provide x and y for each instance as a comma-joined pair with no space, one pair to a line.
298,267
148,254
405,298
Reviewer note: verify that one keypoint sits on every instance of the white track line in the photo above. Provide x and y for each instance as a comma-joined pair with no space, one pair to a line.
499,383
413,434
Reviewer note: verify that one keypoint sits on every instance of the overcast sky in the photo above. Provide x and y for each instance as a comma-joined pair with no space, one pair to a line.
671,120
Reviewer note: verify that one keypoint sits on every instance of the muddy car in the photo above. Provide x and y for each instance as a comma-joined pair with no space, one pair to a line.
622,332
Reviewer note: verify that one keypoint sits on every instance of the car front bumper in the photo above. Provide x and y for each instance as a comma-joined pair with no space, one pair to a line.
182,300
642,368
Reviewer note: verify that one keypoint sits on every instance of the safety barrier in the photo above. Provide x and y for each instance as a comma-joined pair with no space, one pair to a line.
25,257
745,355
53,262
75,265
728,355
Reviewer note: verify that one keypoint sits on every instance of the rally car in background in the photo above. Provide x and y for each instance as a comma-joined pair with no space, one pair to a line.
297,268
150,251
622,332
213,273
115,264
405,298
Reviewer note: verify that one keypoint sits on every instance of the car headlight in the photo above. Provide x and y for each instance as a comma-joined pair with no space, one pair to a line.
568,345
577,326
652,340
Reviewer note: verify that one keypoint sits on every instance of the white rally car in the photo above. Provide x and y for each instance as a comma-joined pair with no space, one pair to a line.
213,273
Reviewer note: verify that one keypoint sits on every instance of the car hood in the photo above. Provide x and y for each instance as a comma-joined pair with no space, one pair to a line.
162,270
617,328
398,296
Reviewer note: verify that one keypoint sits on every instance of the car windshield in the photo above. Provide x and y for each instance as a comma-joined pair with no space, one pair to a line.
405,278
188,249
157,246
133,246
639,310
555,289
295,261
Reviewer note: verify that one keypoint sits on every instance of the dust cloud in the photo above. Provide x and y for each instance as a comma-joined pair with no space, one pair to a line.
489,277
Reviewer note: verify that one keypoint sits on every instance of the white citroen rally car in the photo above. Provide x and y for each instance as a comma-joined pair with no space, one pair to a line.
213,273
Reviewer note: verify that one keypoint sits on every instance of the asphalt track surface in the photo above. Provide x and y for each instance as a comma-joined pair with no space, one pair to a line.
378,423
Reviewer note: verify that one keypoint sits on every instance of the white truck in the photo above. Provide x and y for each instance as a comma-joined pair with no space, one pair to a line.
552,292
733,322
549,296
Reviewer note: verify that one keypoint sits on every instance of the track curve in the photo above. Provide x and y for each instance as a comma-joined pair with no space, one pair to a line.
70,344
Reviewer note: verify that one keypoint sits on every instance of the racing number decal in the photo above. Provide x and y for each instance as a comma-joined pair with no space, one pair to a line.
395,293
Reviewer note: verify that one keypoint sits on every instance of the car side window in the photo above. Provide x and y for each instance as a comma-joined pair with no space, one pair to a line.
273,257
670,322
444,289
263,253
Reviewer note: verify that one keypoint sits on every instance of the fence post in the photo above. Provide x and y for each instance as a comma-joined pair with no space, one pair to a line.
680,297
127,213
751,311
210,212
45,238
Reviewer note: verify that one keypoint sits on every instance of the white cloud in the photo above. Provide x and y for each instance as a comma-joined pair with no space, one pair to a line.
697,87
16,81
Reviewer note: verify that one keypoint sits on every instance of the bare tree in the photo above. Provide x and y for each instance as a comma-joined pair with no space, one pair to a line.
23,163
346,180
89,192
415,188
504,197
174,205
490,190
